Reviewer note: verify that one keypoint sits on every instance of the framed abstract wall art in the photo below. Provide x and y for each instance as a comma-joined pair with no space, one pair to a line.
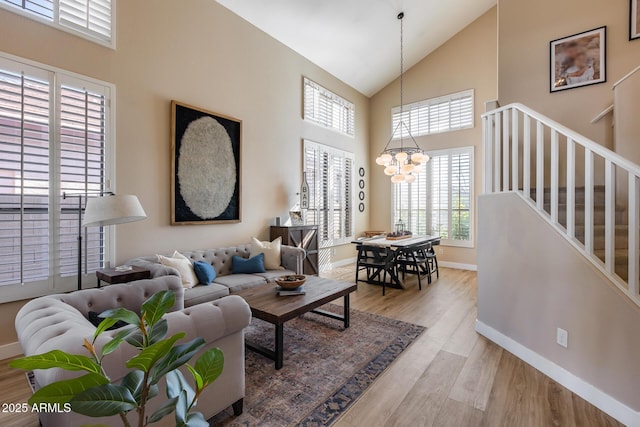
578,60
205,166
634,28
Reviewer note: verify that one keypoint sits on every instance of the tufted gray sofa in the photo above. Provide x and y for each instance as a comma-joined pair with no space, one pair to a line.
60,322
225,282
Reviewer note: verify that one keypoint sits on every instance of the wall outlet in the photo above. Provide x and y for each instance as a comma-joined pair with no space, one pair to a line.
440,251
562,337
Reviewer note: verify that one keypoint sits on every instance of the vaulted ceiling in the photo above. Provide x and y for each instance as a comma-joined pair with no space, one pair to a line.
358,41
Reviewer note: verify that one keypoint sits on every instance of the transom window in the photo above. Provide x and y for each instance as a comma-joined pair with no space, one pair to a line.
330,177
325,108
440,201
55,137
90,19
437,115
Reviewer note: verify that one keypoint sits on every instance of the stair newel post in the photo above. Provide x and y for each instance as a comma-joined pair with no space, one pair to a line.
633,234
609,218
571,188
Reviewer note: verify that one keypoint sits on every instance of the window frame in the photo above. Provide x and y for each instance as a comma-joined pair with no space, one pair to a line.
336,99
408,108
470,243
58,77
345,155
70,29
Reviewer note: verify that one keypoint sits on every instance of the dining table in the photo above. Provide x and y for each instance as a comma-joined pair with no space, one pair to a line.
383,243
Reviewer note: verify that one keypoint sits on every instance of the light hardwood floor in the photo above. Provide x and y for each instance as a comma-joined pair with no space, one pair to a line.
450,376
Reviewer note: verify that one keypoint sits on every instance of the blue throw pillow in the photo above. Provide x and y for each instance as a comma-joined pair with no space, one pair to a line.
248,266
204,272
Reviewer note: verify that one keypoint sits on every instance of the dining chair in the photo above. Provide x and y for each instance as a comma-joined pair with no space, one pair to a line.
378,262
416,260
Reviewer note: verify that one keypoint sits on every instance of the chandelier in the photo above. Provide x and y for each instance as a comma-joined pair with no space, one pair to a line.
402,163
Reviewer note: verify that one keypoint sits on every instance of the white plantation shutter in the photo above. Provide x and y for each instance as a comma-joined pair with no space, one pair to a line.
440,201
330,177
91,15
54,133
24,173
437,115
327,109
92,18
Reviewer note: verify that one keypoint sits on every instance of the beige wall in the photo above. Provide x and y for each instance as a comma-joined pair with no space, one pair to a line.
527,301
467,61
199,53
525,30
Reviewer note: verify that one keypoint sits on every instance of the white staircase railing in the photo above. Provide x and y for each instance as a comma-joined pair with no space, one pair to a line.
523,151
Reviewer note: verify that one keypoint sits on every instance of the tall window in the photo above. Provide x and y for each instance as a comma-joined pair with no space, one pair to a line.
88,18
444,114
54,138
330,178
327,109
440,201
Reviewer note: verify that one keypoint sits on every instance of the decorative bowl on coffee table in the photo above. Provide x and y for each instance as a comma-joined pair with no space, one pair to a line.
293,281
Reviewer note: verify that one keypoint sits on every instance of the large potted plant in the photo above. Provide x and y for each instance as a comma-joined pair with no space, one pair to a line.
93,394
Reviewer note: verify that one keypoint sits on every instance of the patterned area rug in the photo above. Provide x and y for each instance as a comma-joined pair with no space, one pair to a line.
326,368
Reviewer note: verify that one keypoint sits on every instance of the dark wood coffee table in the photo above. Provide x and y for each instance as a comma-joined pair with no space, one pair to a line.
268,306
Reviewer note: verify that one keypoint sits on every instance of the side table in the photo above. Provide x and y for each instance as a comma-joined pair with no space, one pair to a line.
111,276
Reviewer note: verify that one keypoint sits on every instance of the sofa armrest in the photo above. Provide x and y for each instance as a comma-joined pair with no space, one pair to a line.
293,258
156,269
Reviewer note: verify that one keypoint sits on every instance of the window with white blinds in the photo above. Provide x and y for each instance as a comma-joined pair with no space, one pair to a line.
323,107
329,174
440,201
444,114
54,138
89,18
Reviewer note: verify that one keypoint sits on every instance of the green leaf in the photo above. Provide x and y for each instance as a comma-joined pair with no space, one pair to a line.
195,419
177,383
57,359
117,339
156,306
136,339
103,326
123,314
149,356
158,331
182,407
103,401
167,407
177,356
133,381
196,377
210,365
63,391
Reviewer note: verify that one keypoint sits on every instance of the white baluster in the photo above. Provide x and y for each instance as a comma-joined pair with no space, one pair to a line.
526,157
496,166
609,218
571,188
515,140
633,234
588,201
540,166
505,150
554,176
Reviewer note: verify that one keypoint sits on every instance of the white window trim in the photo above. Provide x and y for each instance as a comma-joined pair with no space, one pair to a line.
319,123
447,242
347,155
54,285
87,35
443,98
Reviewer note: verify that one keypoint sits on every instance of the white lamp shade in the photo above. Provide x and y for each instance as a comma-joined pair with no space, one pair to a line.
109,210
397,179
390,170
410,178
401,157
386,158
417,157
408,168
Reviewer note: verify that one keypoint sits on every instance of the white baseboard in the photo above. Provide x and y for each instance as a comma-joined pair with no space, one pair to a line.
591,394
10,350
337,264
458,266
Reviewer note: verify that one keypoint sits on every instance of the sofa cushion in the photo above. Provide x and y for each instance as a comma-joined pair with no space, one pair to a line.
248,266
271,250
201,294
272,275
205,272
219,258
238,282
184,267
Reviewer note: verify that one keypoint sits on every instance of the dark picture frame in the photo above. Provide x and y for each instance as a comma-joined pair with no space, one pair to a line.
634,19
578,60
205,166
